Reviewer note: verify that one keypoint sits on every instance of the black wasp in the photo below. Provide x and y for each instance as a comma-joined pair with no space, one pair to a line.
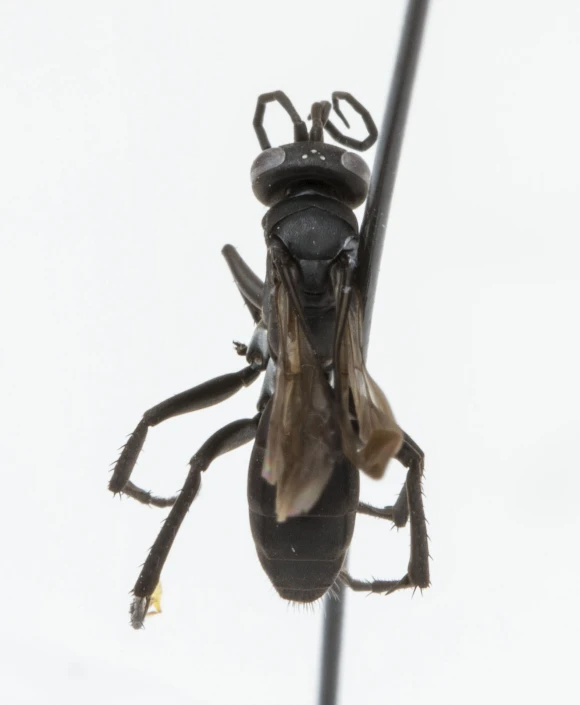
321,418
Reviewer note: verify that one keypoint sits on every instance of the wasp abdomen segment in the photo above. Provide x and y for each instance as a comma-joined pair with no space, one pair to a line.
303,555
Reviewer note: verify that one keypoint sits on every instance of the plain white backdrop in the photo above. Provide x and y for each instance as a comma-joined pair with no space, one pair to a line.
126,143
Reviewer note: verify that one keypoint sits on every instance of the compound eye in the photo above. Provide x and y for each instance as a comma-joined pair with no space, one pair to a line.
267,160
356,165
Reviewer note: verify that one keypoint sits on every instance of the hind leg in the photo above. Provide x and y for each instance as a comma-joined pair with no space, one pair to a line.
227,438
409,504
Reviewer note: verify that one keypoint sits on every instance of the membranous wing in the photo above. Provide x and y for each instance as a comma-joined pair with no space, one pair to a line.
378,438
304,439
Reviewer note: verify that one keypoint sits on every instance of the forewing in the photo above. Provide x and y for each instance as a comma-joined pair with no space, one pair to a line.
304,437
379,437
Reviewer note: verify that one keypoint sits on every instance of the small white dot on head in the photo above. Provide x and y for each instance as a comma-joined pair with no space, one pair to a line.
323,158
304,156
313,151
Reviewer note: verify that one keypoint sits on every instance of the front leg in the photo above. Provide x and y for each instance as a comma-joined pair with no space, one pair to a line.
250,286
409,503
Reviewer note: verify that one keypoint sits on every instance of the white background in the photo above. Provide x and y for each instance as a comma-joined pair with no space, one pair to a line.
126,143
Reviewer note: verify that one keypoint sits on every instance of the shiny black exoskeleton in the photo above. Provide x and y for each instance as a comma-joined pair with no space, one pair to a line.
321,418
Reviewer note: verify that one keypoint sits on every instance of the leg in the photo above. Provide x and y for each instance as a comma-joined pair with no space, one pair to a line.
200,397
397,513
412,457
227,438
377,586
145,497
250,286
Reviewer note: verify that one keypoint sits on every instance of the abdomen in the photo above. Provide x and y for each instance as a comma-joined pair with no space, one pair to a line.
303,555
